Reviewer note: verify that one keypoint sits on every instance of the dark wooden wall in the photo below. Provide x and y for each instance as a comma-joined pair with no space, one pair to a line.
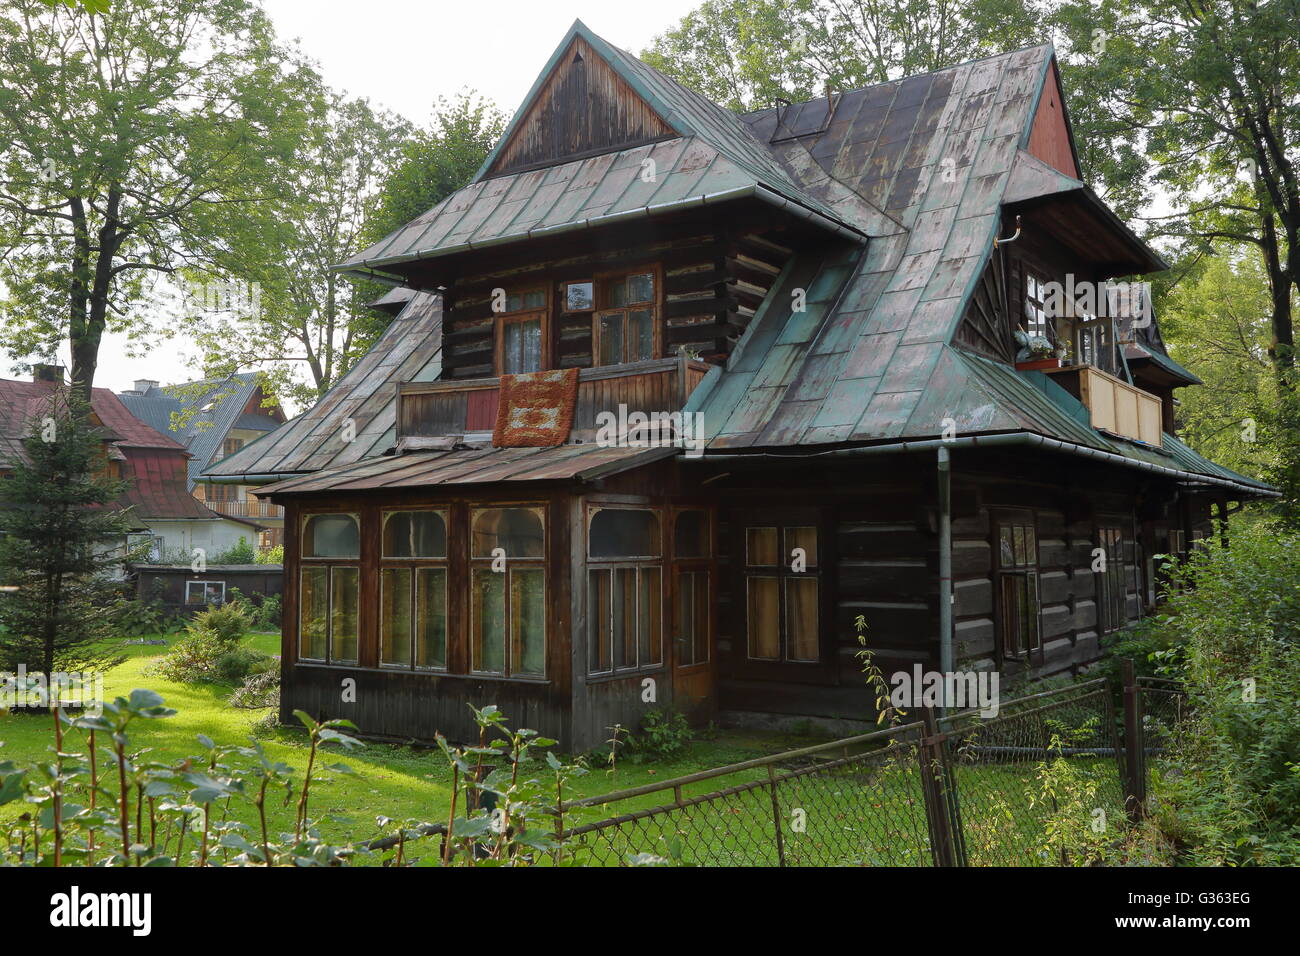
167,584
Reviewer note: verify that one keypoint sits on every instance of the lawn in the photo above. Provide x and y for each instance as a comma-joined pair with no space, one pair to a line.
863,809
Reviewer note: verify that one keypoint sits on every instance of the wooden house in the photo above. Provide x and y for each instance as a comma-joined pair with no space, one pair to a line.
829,295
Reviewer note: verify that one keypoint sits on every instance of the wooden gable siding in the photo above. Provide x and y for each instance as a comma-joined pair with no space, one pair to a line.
1049,137
584,108
984,328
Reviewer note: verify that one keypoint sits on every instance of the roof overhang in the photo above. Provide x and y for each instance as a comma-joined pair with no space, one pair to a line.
1079,219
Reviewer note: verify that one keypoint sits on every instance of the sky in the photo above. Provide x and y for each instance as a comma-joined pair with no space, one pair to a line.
403,55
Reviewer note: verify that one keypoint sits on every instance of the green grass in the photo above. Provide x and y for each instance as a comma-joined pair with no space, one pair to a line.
867,811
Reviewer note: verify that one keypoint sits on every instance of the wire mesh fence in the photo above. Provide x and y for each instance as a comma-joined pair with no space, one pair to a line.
1164,707
961,790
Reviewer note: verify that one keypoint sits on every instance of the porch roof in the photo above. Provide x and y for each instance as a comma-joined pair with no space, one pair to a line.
473,466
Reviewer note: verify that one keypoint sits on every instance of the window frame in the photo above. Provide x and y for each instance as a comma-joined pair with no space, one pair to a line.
205,602
1116,568
414,564
1029,645
541,314
783,574
602,308
696,565
473,564
330,564
638,564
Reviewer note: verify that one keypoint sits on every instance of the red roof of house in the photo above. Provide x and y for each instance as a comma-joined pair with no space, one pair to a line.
155,463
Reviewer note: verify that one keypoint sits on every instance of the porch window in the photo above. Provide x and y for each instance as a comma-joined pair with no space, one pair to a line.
782,590
691,554
624,327
1019,625
329,588
508,592
413,590
624,589
1112,596
521,333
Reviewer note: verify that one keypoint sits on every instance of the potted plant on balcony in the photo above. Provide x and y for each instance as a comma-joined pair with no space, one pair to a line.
1036,352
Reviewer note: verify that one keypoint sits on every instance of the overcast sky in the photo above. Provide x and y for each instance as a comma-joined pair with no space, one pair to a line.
403,55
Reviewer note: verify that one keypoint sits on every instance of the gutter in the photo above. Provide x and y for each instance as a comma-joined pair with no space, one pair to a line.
263,479
1003,440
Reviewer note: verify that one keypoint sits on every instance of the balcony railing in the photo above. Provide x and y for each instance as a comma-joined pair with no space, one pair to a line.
469,406
247,508
1114,405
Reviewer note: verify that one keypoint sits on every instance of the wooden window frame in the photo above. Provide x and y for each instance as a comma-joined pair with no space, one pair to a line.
1029,645
692,565
637,564
501,319
602,308
1116,570
783,574
414,564
204,603
564,298
331,564
475,563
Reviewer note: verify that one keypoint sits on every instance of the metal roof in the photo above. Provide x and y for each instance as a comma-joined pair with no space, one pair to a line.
473,466
410,350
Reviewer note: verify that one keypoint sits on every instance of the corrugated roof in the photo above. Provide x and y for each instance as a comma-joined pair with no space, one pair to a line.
474,466
409,351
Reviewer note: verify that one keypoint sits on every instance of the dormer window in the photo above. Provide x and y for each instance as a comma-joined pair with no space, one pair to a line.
1035,309
521,332
625,325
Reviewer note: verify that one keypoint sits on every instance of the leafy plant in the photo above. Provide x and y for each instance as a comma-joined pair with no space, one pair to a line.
663,735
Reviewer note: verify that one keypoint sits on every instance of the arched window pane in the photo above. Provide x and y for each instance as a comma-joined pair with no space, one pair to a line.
415,534
622,533
516,530
330,536
691,535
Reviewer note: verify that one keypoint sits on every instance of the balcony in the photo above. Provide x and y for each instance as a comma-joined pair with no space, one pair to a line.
247,508
1114,405
469,406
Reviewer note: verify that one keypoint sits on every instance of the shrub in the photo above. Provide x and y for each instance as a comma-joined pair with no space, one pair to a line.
236,664
271,555
213,634
241,553
258,690
663,735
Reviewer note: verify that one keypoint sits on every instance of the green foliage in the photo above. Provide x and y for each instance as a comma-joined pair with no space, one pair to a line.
241,553
663,735
259,690
211,649
273,555
263,615
1231,794
57,529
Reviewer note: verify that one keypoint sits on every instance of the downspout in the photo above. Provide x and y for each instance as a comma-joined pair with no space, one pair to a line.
945,562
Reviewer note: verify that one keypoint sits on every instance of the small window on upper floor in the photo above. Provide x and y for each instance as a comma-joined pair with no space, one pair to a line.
1035,305
625,327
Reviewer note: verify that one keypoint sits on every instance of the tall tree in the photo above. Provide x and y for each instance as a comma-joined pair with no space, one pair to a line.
60,537
748,54
132,142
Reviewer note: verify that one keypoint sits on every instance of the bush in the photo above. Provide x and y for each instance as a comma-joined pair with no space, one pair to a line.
1234,795
241,553
271,555
663,735
258,690
262,617
213,635
235,665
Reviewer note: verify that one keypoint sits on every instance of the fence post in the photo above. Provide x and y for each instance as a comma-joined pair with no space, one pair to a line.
1135,778
776,817
937,788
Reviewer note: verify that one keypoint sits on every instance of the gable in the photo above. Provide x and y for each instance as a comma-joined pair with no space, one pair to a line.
582,108
1049,136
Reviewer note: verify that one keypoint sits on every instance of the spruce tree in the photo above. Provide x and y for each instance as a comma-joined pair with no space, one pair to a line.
61,545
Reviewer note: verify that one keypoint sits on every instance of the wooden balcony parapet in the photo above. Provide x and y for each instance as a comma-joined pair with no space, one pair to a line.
469,406
1113,404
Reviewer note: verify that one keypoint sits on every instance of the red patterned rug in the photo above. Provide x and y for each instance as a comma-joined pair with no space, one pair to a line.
536,409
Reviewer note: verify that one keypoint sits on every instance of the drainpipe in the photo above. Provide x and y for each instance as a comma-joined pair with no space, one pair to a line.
945,561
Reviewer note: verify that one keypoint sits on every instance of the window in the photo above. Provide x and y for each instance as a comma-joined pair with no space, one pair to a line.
508,592
691,553
330,589
1035,311
205,592
781,593
1112,589
146,547
625,325
1177,542
231,445
579,296
624,590
521,333
1092,346
413,590
1019,624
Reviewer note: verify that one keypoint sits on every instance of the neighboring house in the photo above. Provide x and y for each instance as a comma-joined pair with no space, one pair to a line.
833,291
177,588
163,513
214,418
